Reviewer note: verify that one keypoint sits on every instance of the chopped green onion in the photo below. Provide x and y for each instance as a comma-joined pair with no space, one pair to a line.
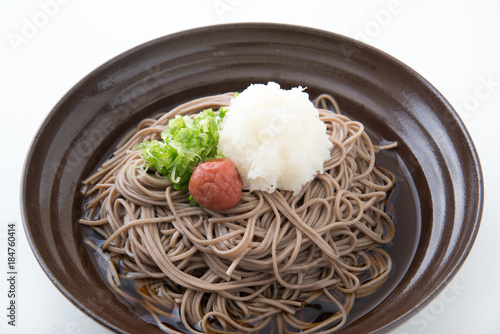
186,142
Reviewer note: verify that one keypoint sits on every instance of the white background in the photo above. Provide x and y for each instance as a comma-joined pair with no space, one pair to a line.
47,46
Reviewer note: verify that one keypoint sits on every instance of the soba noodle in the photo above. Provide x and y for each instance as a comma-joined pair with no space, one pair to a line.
264,259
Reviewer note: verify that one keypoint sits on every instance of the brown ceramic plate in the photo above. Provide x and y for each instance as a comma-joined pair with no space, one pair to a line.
440,197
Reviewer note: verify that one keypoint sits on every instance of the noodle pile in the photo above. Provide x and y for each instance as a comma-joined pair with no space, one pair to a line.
264,259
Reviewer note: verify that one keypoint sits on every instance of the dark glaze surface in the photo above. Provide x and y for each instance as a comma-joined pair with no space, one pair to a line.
374,88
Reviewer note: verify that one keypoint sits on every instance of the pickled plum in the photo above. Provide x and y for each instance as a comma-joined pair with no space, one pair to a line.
216,185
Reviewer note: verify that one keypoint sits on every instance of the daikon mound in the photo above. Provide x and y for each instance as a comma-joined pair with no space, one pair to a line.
274,137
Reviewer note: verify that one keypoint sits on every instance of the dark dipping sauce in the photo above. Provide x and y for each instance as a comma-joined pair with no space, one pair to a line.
403,206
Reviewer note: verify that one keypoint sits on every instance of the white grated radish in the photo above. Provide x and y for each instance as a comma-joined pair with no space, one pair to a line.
274,137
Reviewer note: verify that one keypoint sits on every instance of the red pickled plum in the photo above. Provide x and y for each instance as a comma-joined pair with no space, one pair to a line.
216,185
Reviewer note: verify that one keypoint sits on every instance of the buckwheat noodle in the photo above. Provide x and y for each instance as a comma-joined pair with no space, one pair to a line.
266,258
